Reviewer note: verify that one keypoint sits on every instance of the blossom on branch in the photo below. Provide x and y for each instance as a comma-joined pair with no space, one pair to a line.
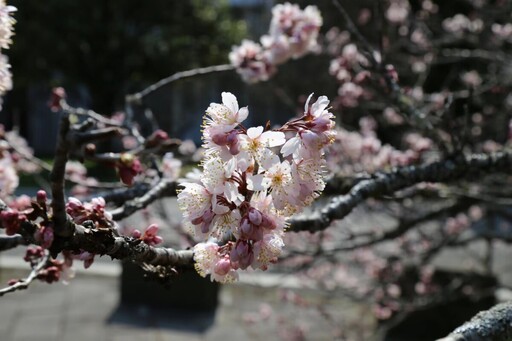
6,32
248,187
292,34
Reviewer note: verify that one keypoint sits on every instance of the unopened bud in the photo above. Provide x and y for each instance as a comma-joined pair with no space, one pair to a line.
255,216
41,197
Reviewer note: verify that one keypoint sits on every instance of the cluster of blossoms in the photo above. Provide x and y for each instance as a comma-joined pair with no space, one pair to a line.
348,69
6,32
293,33
362,151
14,158
93,211
252,181
398,11
9,179
149,236
460,24
42,232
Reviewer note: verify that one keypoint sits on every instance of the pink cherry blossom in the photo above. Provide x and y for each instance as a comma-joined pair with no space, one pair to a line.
150,235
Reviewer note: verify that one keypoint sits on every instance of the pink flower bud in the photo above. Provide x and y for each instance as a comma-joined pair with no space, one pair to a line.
234,148
156,138
149,237
245,226
362,76
128,167
205,227
157,240
136,234
152,230
242,255
197,221
208,216
11,221
33,253
12,281
321,124
268,222
310,139
58,94
222,267
232,137
47,237
220,139
255,216
41,196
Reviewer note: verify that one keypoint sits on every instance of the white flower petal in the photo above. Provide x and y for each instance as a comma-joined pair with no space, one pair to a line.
267,159
229,100
254,132
319,106
290,146
306,106
257,182
273,138
242,114
230,167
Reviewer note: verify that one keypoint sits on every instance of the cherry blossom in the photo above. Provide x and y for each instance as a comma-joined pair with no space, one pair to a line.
240,202
293,33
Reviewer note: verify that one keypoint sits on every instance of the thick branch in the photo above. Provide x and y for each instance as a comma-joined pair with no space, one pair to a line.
493,324
104,243
10,242
57,176
400,178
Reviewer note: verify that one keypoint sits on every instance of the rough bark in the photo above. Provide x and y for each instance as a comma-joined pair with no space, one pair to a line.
494,324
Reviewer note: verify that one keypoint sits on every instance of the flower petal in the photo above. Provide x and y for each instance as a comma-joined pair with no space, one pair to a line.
306,106
319,106
257,182
229,100
254,132
273,138
290,146
242,114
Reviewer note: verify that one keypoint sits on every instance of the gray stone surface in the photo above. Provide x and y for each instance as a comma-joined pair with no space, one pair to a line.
88,309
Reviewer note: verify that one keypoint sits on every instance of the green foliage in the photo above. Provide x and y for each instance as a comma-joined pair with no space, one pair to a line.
117,46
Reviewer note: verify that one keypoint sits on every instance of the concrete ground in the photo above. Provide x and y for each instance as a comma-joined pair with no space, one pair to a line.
258,308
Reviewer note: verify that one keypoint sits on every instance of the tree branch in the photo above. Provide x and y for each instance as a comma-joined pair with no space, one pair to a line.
128,248
400,178
493,324
403,226
163,188
137,97
10,242
57,176
23,284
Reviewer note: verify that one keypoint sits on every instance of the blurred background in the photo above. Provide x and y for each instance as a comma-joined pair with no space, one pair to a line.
100,51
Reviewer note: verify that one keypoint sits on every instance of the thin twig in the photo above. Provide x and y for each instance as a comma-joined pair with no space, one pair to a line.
161,189
88,113
24,284
137,97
